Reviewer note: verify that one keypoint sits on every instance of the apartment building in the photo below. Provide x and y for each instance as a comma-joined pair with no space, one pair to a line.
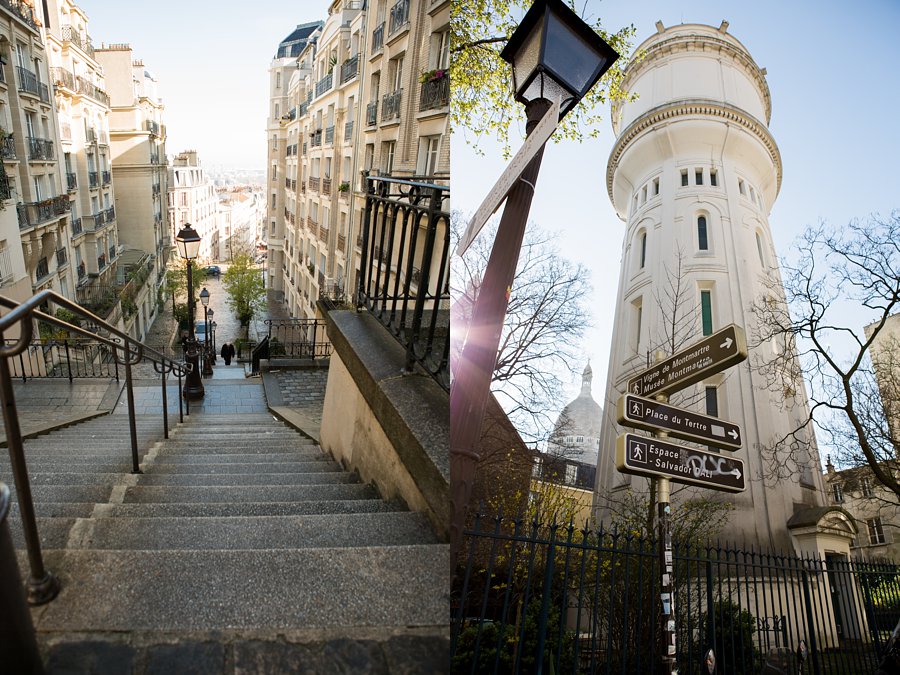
137,151
239,214
35,244
192,199
369,92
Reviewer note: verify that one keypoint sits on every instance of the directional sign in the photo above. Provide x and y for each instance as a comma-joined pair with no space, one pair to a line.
535,141
645,413
711,355
652,457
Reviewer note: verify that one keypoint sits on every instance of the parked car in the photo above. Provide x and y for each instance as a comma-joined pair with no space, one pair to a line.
213,271
200,330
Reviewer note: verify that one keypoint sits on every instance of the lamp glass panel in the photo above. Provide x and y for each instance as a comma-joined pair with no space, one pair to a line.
569,55
526,59
544,86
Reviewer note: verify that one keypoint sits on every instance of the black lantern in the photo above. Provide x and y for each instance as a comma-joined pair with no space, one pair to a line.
555,55
188,242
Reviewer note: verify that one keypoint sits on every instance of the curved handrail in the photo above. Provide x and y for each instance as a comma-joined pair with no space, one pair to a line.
42,585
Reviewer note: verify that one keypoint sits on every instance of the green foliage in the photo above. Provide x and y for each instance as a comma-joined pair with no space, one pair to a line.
176,278
733,630
482,103
68,316
246,288
180,312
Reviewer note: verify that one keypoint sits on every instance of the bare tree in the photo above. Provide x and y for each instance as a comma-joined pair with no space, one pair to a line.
545,322
853,391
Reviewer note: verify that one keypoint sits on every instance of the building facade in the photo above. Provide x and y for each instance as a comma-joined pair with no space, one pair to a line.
368,92
192,199
694,173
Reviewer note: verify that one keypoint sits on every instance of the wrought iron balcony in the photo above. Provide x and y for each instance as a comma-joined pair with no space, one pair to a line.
349,69
93,179
71,180
329,135
79,39
435,93
21,10
82,270
390,105
326,186
62,257
323,233
29,83
88,88
372,114
316,138
152,127
8,148
311,224
399,16
63,78
5,189
304,107
342,243
106,177
110,214
42,271
324,84
95,221
40,148
101,261
315,184
35,213
348,130
112,253
76,227
378,37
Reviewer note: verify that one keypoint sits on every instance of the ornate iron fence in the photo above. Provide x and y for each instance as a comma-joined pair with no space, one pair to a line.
406,228
538,597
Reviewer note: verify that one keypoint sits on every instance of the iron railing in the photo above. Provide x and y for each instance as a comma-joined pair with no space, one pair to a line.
105,177
40,148
324,84
399,16
8,147
435,93
77,227
371,113
20,318
64,358
42,271
406,227
349,69
63,77
5,187
93,179
348,130
71,180
378,38
22,10
329,135
316,138
90,89
297,339
562,599
390,105
30,83
35,213
76,37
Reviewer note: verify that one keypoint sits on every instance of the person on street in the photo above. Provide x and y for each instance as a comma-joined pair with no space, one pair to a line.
227,353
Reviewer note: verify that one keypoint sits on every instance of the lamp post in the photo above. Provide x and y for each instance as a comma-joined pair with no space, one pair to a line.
204,300
188,243
554,56
211,336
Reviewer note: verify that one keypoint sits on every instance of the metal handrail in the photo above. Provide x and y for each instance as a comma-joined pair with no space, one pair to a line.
43,586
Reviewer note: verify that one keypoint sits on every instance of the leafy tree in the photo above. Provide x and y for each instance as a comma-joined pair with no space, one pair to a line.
176,284
482,82
246,288
852,372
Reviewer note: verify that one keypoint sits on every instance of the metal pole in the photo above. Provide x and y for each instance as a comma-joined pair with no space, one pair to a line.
42,585
68,360
470,389
165,404
18,644
180,400
132,425
666,632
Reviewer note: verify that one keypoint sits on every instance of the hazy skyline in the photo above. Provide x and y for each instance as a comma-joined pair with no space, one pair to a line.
833,107
211,62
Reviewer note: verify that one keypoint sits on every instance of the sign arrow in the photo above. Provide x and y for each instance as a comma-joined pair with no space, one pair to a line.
727,344
651,415
733,434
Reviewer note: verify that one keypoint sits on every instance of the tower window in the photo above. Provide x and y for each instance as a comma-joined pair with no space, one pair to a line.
713,178
655,186
706,311
698,176
759,250
638,316
643,249
644,195
702,238
684,177
752,194
741,187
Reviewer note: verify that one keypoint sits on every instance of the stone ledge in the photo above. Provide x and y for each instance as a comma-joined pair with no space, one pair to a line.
412,409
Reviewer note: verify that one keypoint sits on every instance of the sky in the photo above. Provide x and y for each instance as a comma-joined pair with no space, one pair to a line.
211,62
835,102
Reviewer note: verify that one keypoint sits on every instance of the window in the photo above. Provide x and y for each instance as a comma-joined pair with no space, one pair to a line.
684,177
837,491
741,187
759,250
702,238
644,195
571,473
387,157
440,50
655,186
638,316
429,147
643,249
866,487
278,80
698,176
713,178
706,311
395,72
579,440
712,401
876,533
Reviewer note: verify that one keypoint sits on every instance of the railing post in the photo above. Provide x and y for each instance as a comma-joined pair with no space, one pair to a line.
165,405
22,364
18,645
42,585
116,364
811,629
180,399
135,461
68,360
545,604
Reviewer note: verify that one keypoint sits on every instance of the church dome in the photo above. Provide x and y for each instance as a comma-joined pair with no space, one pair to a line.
576,434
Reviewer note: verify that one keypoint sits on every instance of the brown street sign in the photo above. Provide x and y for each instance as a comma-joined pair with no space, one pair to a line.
652,457
650,415
709,356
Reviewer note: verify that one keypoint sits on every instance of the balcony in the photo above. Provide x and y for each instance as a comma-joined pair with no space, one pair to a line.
399,17
95,221
329,135
77,229
106,177
303,152
435,92
5,189
90,135
40,149
29,83
349,69
79,39
324,84
62,258
93,179
302,186
314,184
21,10
152,127
301,112
88,88
101,261
316,140
323,233
34,213
378,38
348,130
311,224
372,114
390,106
110,214
71,181
63,78
8,148
42,271
82,271
6,268
326,186
342,243
112,253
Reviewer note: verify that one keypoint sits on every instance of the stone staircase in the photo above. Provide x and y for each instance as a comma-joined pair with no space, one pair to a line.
238,526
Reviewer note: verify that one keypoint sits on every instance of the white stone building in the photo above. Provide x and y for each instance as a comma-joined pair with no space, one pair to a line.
695,169
192,199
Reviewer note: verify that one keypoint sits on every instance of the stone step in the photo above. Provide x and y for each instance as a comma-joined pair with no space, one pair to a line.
384,586
74,464
46,509
311,466
53,532
277,493
72,478
237,480
297,456
194,433
253,532
224,509
248,447
67,493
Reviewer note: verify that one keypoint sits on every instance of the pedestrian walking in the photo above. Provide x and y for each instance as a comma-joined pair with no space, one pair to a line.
227,352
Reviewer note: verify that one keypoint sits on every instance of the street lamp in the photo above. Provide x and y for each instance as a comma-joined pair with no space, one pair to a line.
207,364
554,56
187,242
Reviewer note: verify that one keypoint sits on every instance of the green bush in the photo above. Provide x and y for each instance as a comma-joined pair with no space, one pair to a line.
733,629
